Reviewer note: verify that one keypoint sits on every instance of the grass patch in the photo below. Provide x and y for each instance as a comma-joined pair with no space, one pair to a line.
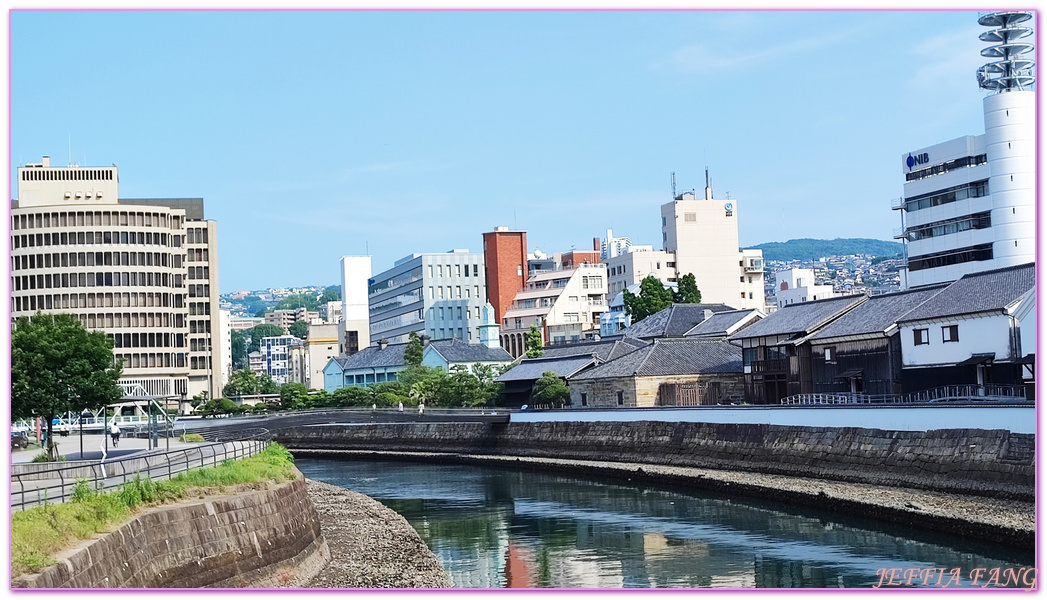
40,533
191,437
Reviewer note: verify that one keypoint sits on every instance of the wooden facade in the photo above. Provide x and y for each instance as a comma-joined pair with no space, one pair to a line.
867,366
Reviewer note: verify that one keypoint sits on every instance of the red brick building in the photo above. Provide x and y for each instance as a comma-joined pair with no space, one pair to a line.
505,260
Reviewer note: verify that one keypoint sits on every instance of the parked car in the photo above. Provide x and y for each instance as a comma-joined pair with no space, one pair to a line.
19,439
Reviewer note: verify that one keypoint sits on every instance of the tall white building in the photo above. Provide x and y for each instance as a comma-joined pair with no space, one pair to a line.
355,333
969,203
144,271
612,246
636,264
797,285
703,236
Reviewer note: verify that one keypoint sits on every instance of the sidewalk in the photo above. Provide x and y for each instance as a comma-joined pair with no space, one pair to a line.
69,447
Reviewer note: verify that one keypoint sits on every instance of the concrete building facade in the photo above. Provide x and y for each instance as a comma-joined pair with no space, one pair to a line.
635,264
355,333
797,285
565,305
438,294
144,271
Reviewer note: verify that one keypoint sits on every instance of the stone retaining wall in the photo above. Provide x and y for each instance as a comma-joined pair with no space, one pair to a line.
261,538
975,461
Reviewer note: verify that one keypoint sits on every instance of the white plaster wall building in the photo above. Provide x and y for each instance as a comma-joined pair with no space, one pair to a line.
321,346
144,271
225,338
611,246
797,285
969,204
275,352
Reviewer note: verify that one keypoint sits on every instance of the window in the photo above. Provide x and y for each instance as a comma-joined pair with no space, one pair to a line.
830,354
689,217
585,400
476,270
951,333
621,398
919,337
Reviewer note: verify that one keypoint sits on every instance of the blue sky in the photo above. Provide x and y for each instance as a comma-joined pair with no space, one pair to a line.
312,135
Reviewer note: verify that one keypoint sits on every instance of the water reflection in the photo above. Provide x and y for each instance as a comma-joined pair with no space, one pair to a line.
501,528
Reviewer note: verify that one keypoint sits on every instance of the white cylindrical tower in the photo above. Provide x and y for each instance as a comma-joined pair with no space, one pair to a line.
1010,135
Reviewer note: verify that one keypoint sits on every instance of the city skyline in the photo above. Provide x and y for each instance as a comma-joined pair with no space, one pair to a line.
313,135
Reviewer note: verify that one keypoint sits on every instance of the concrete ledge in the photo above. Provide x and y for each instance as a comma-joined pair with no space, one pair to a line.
254,538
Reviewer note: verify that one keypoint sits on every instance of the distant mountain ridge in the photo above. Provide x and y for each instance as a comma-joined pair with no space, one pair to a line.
810,249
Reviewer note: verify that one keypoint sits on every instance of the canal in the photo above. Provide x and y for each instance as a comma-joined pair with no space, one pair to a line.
497,528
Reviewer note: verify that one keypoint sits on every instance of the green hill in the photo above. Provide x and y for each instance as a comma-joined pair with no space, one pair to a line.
808,249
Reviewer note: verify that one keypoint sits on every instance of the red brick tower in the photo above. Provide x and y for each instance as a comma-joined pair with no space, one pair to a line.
505,260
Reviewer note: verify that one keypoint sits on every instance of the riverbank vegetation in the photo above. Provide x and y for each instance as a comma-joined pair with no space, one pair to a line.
39,534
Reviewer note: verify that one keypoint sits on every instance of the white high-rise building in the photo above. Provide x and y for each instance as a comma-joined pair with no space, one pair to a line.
703,235
144,271
611,246
355,334
969,203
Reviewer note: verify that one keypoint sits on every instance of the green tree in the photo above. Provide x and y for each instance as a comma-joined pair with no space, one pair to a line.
297,301
294,396
262,331
241,383
58,366
687,291
534,342
220,406
238,341
550,389
413,351
352,396
299,329
653,297
198,399
331,294
266,385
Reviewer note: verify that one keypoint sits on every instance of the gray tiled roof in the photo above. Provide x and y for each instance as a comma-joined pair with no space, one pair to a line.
460,351
718,324
978,292
374,358
799,318
532,368
604,349
877,313
673,321
686,356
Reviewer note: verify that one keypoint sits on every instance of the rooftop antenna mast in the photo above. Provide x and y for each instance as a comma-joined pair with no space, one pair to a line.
708,185
1010,69
672,176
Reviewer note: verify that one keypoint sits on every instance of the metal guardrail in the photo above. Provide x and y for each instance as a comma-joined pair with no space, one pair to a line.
949,393
55,485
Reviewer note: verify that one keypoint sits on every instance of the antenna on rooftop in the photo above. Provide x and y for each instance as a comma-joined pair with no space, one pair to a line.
673,178
1009,71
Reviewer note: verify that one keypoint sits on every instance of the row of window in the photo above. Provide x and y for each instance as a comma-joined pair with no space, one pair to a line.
196,235
67,174
89,218
619,396
150,360
90,238
980,220
959,163
437,293
129,320
457,270
91,259
71,280
199,290
592,282
199,308
450,312
950,333
952,257
97,300
451,332
148,340
199,273
196,255
976,189
196,326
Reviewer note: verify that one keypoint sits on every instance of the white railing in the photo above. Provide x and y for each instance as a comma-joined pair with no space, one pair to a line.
949,393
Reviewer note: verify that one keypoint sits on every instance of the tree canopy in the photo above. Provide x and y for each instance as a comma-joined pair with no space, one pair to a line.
535,348
549,388
58,366
653,297
246,382
238,340
413,351
299,329
687,291
261,331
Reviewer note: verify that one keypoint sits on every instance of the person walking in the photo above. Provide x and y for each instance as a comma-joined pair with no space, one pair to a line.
114,430
421,407
401,407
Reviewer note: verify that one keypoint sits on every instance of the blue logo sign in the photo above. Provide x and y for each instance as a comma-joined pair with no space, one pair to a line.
920,159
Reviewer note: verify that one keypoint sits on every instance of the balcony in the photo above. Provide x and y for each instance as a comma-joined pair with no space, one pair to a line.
754,266
897,203
775,365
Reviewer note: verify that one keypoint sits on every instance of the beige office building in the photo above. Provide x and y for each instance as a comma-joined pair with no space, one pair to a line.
703,236
144,271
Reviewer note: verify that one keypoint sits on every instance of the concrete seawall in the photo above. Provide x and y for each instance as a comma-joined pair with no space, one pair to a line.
259,538
994,463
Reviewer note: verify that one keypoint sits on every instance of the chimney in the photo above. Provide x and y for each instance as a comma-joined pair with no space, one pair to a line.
424,339
596,244
46,161
382,343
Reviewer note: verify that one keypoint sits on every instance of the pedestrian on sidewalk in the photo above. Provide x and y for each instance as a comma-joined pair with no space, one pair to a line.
114,430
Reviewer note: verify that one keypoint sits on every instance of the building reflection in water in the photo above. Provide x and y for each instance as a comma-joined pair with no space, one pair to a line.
499,528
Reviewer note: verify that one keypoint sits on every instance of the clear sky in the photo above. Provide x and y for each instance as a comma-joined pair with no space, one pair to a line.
312,135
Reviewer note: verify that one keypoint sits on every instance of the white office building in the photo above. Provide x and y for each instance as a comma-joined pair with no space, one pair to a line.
969,204
355,333
144,271
636,264
792,286
438,294
275,359
612,246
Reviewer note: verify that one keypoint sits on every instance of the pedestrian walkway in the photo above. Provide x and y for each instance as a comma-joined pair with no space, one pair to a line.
93,445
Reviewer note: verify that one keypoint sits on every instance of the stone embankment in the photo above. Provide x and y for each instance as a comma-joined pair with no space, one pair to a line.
371,545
